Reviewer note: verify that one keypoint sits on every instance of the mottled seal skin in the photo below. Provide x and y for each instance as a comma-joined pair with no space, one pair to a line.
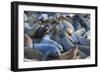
48,50
32,54
27,41
41,31
65,34
71,54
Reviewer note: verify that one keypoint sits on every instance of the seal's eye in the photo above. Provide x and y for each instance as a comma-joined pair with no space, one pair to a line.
56,54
